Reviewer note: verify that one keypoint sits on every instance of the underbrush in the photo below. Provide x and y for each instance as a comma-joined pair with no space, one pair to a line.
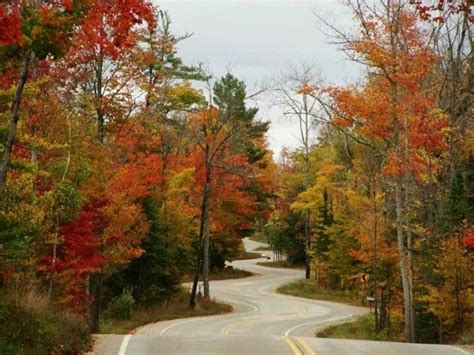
175,308
466,337
31,325
363,329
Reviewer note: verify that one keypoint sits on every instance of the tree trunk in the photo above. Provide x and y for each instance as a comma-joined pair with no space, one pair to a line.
374,259
404,265
400,183
97,304
206,260
14,119
99,101
192,297
206,257
203,231
100,126
308,246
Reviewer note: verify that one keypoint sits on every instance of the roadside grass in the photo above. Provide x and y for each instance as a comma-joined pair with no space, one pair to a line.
248,255
467,337
281,265
227,273
258,237
31,324
363,329
263,248
309,289
173,309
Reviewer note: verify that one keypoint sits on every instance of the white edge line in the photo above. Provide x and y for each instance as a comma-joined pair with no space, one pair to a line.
287,333
123,346
461,350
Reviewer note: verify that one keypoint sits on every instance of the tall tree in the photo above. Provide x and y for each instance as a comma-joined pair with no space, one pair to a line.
395,108
224,128
31,31
298,95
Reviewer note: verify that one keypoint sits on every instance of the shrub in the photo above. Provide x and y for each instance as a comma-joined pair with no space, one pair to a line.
32,325
121,306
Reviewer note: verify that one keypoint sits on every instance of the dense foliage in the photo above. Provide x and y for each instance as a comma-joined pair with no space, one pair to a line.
105,169
390,194
120,178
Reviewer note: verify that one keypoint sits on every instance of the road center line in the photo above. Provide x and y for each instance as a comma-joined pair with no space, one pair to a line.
254,309
123,346
305,346
318,321
292,346
179,323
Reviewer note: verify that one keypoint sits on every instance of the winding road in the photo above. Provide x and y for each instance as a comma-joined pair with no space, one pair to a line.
263,322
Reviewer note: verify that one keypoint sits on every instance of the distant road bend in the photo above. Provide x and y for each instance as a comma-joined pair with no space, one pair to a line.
263,322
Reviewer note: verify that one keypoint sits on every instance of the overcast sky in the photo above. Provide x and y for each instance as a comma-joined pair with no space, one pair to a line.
256,40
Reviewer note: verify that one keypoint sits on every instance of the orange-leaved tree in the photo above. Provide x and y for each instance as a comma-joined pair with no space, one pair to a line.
30,32
395,113
224,130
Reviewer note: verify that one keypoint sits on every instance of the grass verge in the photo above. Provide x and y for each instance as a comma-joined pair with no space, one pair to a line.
280,264
263,248
248,255
309,289
259,237
168,310
31,324
466,338
363,329
228,273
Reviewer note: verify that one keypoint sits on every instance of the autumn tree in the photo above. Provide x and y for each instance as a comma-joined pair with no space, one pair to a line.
101,58
298,94
167,77
396,110
30,32
452,300
224,129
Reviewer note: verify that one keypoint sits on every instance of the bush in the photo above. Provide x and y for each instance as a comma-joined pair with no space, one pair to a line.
121,307
32,325
466,338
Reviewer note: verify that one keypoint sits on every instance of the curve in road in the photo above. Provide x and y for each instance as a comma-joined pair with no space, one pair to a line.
263,322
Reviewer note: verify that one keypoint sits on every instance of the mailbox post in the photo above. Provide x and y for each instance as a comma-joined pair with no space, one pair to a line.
371,301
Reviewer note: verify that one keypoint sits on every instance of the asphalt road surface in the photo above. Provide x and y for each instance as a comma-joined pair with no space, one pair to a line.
263,322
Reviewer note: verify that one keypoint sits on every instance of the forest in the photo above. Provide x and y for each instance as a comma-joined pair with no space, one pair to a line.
126,172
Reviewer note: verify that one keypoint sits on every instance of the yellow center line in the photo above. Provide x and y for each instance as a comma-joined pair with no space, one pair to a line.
228,327
292,346
257,319
305,346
